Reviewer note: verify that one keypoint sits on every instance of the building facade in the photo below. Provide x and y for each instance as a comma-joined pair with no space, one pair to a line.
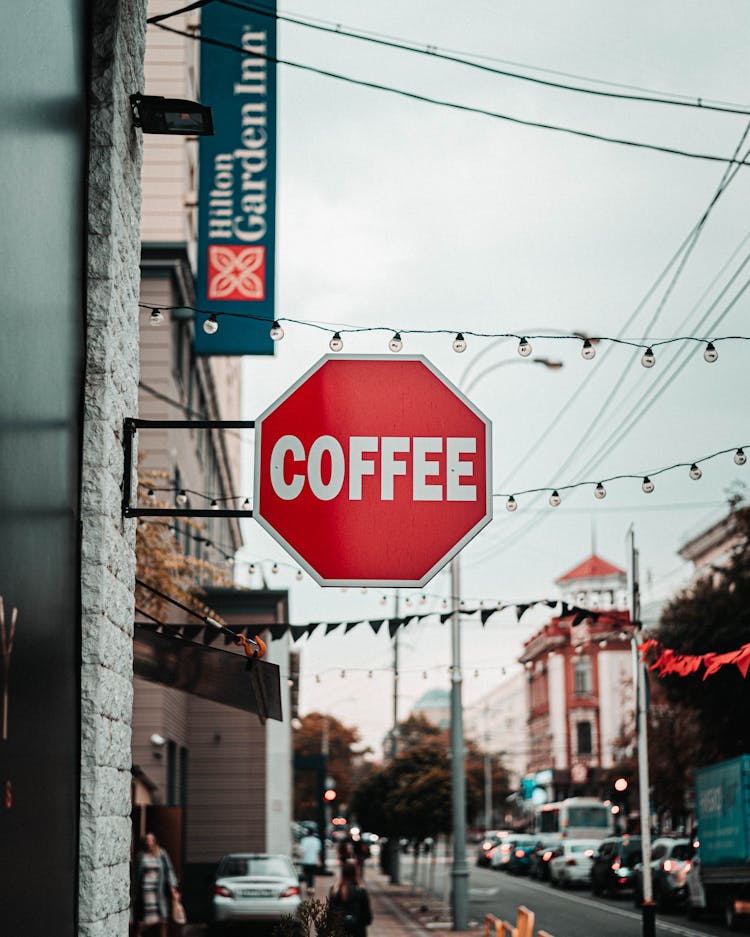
579,684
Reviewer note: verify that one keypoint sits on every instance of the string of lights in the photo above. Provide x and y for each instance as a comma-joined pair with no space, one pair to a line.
459,344
555,499
452,105
647,484
432,51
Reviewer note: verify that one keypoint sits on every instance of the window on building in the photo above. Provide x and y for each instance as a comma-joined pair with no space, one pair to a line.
582,683
583,733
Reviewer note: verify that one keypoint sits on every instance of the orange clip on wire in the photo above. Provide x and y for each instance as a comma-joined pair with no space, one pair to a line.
249,649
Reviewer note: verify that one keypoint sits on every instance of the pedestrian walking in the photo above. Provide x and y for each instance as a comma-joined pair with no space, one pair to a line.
345,850
312,857
155,889
349,899
361,854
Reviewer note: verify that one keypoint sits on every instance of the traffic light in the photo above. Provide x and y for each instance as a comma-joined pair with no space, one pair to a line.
329,795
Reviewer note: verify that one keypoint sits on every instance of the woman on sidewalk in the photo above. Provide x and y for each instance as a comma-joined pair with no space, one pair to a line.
351,902
155,886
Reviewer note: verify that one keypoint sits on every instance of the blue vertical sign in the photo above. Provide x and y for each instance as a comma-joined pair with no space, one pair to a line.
237,182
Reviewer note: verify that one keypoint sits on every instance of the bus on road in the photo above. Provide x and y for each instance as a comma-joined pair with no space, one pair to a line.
575,818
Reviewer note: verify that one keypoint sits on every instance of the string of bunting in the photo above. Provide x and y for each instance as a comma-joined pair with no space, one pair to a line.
668,662
209,630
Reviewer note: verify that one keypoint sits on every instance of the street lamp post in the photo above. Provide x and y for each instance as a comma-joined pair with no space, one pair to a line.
460,870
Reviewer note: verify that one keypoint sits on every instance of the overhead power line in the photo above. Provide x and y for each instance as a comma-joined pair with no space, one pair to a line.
452,105
433,52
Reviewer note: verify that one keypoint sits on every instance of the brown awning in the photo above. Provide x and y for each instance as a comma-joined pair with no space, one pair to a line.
214,674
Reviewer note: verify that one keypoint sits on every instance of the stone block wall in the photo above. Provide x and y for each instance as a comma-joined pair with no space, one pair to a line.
117,39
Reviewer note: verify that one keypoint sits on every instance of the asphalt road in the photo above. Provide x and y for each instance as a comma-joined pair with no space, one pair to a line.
573,913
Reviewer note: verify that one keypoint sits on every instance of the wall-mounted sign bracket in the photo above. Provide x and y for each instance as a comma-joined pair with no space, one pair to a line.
131,427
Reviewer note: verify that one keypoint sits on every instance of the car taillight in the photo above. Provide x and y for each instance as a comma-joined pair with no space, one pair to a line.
505,847
615,865
688,866
570,862
486,846
492,852
223,891
519,853
547,856
290,892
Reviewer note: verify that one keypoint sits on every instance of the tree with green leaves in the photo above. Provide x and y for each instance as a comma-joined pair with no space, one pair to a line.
309,740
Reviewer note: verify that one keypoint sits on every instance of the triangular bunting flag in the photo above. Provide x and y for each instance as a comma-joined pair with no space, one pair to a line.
521,611
350,625
377,625
332,626
486,613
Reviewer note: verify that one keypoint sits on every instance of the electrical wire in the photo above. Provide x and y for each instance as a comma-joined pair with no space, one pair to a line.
452,105
533,68
434,53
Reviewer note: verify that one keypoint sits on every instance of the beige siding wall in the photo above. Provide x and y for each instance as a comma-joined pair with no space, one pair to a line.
226,789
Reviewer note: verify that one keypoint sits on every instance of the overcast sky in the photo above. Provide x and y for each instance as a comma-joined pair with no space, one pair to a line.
394,212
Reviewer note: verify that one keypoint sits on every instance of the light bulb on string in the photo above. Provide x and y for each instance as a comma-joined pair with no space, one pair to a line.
211,325
251,569
336,343
156,318
511,504
600,491
555,499
739,457
423,600
214,505
424,674
648,359
695,472
181,498
275,569
343,674
383,600
524,348
298,575
587,350
407,602
369,675
444,603
476,673
246,504
363,590
276,332
317,678
229,561
396,343
647,485
151,495
459,343
710,354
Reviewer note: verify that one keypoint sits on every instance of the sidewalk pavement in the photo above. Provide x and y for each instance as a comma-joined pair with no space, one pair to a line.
402,911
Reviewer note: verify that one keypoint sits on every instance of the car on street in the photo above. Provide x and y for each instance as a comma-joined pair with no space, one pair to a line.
572,861
612,868
520,854
539,859
670,864
251,888
503,853
488,841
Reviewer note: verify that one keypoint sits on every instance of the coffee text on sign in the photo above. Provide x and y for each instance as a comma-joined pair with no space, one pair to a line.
367,454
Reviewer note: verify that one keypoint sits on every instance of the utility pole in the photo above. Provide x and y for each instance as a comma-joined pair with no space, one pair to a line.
394,848
487,773
460,873
648,910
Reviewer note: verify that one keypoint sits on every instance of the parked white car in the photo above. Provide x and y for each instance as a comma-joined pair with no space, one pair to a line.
571,863
251,887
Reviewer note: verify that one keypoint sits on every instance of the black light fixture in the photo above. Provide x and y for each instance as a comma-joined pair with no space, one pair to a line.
154,114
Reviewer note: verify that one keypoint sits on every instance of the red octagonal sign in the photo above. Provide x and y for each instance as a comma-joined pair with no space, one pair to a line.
373,470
